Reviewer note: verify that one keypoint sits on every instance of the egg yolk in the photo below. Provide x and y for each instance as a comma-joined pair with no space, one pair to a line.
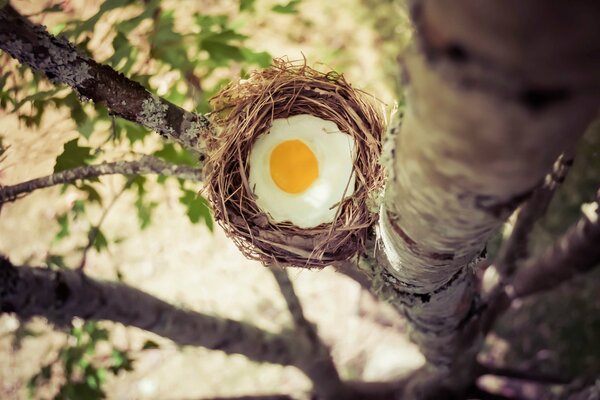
293,166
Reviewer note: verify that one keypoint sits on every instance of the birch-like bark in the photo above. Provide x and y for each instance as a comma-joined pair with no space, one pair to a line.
146,165
60,61
496,91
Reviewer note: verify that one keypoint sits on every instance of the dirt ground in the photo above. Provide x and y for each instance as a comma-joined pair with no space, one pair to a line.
189,266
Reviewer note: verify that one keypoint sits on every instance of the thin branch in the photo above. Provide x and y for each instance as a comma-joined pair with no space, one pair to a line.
324,375
515,248
93,235
263,397
583,391
351,270
532,376
146,165
476,392
62,63
576,252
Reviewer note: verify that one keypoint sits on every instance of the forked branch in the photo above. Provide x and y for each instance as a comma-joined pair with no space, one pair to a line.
516,246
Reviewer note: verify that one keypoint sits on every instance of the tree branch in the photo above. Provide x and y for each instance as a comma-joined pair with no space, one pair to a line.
576,252
62,295
515,248
324,375
533,376
146,165
60,61
95,230
487,115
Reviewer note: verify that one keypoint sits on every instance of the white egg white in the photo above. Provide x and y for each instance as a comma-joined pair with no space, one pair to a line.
334,151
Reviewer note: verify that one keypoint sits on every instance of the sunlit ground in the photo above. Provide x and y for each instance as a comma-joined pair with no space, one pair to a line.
189,266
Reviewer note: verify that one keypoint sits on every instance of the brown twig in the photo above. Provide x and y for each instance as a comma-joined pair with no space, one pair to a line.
96,228
146,165
575,252
324,375
515,248
532,376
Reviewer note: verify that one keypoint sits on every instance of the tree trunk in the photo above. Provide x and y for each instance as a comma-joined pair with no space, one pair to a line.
496,91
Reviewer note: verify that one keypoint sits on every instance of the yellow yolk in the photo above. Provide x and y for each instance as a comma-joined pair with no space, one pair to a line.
293,166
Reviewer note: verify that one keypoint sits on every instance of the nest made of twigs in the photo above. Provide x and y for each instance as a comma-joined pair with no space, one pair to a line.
246,109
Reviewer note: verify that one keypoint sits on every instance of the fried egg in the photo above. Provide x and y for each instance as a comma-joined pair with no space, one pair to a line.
301,169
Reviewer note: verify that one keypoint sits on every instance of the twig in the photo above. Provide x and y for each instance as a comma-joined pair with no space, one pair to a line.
258,397
532,376
324,374
576,252
96,228
515,248
476,392
146,165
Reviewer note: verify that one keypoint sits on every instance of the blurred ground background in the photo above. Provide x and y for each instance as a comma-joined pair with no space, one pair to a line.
187,265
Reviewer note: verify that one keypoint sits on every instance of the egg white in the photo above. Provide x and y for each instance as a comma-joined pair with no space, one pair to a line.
334,151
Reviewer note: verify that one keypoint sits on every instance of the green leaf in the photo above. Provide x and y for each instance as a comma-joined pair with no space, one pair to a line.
220,52
127,26
197,208
224,36
150,344
168,44
144,212
92,194
86,128
55,261
260,58
63,223
289,8
73,156
176,155
120,361
247,5
98,239
37,97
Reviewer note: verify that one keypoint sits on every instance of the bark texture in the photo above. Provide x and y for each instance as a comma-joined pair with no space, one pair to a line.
147,165
576,252
62,63
496,91
62,295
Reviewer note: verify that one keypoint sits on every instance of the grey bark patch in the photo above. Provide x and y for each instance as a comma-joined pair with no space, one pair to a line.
153,115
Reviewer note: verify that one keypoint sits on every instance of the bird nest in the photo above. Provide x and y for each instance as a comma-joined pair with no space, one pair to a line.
245,110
